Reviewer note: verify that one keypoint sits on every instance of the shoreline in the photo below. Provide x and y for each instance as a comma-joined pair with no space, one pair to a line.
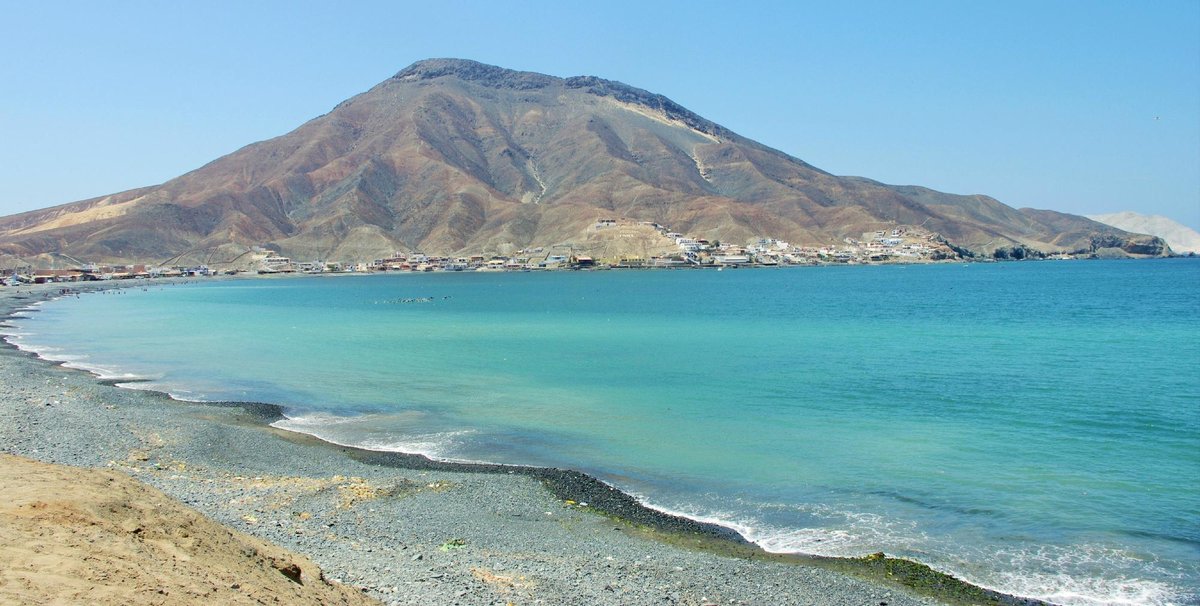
606,507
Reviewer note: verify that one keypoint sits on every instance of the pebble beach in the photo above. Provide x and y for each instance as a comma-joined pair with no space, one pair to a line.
407,530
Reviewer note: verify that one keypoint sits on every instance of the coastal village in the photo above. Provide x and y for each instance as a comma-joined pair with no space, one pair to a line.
668,250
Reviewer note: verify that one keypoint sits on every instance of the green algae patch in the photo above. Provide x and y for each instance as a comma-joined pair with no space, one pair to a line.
453,544
928,581
912,577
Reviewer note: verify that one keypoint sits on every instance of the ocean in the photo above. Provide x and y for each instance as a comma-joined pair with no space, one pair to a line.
1030,427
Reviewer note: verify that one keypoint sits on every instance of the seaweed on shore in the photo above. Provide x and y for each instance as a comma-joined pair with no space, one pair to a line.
928,581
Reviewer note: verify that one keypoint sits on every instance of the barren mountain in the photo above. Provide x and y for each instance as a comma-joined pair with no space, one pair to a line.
451,156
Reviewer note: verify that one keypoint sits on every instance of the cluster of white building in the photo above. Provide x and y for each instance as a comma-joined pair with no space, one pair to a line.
895,246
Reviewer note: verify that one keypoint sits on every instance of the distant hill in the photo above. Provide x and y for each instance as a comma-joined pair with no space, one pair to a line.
1181,238
453,156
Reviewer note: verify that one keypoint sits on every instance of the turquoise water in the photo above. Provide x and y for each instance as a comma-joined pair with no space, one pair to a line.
1030,427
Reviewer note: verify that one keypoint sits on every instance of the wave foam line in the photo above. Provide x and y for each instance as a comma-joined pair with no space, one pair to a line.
311,424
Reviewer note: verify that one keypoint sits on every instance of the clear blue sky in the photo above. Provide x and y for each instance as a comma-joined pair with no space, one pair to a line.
1078,106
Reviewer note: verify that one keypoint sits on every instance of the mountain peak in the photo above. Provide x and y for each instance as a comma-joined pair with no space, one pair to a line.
498,77
474,71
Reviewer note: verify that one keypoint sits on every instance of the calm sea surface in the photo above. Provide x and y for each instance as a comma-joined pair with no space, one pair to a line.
1030,427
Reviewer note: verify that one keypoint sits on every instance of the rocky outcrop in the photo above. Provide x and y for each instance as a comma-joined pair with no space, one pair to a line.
1181,238
475,72
1139,245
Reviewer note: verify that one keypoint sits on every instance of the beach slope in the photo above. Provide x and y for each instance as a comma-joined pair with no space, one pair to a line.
97,536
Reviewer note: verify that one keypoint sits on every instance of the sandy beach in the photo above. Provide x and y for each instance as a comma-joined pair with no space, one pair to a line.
396,528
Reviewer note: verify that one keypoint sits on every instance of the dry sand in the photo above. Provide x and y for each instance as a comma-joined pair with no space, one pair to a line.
74,536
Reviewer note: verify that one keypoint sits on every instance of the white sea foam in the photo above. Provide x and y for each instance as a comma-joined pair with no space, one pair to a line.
19,338
1056,574
1093,591
52,353
300,422
357,432
82,362
106,373
841,533
1060,575
849,534
181,395
433,445
746,528
835,532
46,352
12,330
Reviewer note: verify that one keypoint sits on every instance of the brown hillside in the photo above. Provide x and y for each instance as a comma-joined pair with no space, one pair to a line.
452,156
